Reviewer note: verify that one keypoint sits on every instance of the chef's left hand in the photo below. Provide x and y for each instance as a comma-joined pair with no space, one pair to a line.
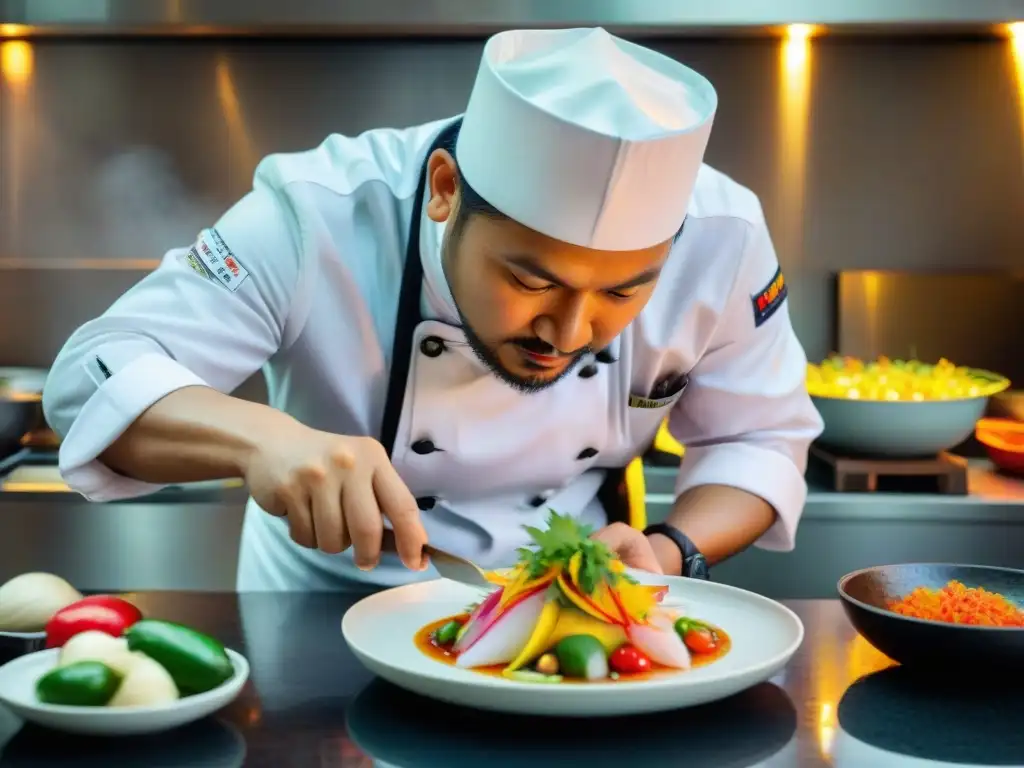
639,551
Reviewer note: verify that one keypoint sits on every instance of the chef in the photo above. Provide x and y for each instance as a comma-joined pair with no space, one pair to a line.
464,325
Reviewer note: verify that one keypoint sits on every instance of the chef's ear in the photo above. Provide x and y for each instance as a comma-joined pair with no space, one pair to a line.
443,178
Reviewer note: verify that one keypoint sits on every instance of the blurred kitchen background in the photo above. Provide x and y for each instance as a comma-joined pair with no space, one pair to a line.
885,138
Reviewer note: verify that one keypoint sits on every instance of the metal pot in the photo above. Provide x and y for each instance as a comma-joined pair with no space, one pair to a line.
21,405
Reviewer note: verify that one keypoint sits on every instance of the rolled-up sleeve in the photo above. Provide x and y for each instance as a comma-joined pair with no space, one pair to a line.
211,314
746,418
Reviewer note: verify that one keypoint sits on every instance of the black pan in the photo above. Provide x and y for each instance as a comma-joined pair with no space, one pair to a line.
949,649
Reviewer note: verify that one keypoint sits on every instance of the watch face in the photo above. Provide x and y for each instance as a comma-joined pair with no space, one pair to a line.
697,568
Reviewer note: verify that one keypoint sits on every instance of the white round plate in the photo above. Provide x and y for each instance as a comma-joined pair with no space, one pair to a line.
18,691
380,630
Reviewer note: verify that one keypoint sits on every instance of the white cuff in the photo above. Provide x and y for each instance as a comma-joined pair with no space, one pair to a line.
109,412
758,470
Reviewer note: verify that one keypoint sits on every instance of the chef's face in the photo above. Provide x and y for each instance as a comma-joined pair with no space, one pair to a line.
532,306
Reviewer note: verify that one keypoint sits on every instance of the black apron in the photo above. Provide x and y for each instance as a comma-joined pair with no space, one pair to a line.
613,493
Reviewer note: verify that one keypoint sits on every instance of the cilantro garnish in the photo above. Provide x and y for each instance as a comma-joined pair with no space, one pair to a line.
562,539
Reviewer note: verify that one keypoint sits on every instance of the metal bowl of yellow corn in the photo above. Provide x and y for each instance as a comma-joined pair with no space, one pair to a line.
898,408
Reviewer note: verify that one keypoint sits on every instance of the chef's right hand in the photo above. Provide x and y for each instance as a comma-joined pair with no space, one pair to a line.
335,492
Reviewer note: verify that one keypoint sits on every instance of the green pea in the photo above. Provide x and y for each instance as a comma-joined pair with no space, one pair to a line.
684,625
447,634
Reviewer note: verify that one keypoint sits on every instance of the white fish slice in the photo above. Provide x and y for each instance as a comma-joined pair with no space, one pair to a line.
448,565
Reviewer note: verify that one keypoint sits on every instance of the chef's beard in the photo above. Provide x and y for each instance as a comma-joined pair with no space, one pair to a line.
488,355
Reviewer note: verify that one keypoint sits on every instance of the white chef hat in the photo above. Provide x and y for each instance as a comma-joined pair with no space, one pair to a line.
585,137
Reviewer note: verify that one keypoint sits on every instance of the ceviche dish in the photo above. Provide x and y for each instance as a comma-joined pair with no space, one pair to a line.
568,612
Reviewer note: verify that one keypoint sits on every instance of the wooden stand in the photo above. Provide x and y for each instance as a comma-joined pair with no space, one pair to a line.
858,474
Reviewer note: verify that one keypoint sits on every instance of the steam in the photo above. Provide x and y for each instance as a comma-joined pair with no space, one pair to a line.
140,208
129,204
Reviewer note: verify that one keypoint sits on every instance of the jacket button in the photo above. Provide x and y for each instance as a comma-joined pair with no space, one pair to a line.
423,447
537,501
426,502
587,453
587,371
432,346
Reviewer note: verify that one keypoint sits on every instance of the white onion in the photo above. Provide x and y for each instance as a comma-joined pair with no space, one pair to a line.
503,639
97,646
661,645
146,683
29,601
478,622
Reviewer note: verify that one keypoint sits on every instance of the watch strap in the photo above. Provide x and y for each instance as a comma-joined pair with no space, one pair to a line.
695,566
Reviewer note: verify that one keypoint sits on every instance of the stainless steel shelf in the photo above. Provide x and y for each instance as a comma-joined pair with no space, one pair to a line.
430,18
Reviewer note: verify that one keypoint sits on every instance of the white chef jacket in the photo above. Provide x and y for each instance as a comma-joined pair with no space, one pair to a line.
317,250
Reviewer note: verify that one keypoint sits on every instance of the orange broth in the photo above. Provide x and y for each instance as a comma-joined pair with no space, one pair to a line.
425,642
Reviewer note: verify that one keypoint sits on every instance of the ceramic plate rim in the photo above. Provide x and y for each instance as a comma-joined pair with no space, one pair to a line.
237,682
841,588
442,674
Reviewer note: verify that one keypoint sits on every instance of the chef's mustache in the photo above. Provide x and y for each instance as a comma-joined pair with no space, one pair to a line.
535,345
539,347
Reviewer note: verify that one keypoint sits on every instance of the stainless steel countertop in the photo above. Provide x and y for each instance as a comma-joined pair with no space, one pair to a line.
478,17
838,703
992,497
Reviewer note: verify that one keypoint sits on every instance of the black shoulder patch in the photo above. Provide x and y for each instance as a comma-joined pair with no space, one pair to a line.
768,300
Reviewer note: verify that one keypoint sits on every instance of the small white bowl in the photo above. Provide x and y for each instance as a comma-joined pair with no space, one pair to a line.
18,680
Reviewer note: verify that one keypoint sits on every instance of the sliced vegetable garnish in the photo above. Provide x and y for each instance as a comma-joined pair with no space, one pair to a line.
541,633
583,603
527,676
564,609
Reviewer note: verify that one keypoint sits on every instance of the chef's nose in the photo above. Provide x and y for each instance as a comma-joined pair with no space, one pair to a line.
568,326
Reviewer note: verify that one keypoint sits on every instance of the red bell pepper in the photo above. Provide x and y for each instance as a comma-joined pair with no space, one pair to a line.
103,613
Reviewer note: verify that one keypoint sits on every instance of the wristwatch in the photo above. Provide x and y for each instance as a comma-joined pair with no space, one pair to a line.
695,566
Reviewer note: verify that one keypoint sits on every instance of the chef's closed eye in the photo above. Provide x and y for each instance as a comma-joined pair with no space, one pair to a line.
529,283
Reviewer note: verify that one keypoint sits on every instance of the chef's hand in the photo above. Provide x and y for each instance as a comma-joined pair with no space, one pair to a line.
335,492
656,553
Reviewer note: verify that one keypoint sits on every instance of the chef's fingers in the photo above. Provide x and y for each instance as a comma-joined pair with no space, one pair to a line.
362,518
346,540
299,515
630,545
399,506
325,494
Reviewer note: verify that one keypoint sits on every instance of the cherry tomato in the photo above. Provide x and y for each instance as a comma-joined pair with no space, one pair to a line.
701,640
104,613
627,660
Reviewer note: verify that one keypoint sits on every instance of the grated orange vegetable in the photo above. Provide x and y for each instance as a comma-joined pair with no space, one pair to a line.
958,604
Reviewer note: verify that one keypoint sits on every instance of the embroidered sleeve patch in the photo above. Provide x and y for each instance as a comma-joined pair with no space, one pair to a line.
217,261
767,301
192,261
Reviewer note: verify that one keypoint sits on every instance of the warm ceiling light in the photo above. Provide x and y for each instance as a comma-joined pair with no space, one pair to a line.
1017,30
799,31
15,62
13,30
